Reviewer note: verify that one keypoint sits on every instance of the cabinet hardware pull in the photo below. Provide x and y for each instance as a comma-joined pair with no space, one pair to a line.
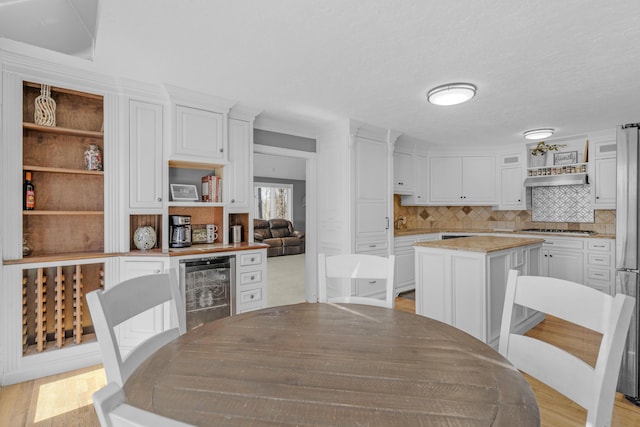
222,150
233,200
387,218
159,199
401,183
253,277
372,246
598,246
372,282
252,296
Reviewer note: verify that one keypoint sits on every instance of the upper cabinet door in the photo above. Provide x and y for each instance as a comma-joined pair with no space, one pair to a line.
479,179
445,179
200,134
238,191
403,173
145,153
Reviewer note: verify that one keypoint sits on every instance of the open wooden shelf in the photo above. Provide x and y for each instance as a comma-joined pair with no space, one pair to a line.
45,212
62,130
60,170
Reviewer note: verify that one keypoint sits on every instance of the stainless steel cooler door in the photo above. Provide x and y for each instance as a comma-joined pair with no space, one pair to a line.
628,381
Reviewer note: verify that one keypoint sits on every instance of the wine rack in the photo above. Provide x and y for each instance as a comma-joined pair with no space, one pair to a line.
62,319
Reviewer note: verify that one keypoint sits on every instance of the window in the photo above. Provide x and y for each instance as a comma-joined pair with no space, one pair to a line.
273,200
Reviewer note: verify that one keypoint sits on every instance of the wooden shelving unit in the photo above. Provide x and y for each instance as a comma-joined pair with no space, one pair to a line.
67,224
69,212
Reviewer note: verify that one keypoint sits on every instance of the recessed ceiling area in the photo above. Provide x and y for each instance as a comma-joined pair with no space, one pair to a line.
66,26
571,65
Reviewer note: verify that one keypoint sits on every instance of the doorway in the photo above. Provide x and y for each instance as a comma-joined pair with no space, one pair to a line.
292,278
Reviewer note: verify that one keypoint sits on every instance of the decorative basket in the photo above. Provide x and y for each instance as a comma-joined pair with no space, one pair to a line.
537,161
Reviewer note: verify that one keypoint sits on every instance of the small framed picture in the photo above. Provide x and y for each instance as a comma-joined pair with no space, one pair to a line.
184,192
566,158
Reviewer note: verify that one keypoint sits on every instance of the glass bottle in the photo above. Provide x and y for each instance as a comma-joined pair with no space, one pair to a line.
26,249
29,193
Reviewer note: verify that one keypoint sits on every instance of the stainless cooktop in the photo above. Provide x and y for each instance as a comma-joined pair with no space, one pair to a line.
556,231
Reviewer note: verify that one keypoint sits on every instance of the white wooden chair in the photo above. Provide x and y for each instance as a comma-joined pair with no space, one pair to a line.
356,266
113,411
125,300
592,388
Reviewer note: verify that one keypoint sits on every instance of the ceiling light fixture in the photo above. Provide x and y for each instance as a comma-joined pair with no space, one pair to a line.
451,94
538,133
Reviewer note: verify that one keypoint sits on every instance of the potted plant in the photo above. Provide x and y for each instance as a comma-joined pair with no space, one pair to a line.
539,152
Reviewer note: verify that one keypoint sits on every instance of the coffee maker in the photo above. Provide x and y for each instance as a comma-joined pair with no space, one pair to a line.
179,231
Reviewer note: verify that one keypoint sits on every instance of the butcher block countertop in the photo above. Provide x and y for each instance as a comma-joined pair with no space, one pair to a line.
480,243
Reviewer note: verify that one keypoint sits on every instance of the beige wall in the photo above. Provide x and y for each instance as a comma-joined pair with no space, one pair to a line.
484,218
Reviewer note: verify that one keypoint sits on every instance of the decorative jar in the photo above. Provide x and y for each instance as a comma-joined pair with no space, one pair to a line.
93,158
144,238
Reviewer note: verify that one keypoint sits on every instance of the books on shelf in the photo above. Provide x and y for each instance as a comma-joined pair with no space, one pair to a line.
211,188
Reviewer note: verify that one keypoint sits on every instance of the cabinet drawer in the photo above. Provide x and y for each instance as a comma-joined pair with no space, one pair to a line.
600,259
564,243
599,274
371,246
250,277
603,245
250,296
253,258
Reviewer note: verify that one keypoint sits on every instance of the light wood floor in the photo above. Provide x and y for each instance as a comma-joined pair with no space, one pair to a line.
65,400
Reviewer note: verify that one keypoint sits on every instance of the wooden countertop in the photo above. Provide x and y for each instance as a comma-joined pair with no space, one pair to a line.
480,243
201,249
329,365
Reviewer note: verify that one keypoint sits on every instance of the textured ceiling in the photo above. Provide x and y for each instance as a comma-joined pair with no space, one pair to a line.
573,65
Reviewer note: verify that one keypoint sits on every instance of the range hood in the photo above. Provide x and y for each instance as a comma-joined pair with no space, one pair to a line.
556,180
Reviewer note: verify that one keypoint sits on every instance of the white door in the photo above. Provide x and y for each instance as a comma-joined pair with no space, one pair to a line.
200,133
564,265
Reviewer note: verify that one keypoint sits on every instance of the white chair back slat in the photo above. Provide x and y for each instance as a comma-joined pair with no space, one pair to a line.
111,307
356,266
593,388
586,306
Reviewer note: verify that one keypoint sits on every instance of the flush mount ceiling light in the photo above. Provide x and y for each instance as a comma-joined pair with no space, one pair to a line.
538,133
451,94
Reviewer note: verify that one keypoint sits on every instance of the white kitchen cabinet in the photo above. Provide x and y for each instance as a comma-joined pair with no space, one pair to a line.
403,173
462,180
237,179
563,258
421,183
199,133
600,265
405,279
512,191
603,188
145,154
152,321
372,199
251,281
199,126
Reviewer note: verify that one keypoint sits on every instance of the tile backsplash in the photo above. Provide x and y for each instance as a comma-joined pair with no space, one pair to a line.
485,218
565,203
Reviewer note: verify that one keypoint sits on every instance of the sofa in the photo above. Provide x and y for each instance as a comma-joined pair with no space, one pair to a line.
279,235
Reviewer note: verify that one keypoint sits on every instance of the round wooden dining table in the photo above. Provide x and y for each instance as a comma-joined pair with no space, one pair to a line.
332,365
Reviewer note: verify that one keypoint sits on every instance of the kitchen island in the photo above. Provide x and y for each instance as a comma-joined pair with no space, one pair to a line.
462,281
